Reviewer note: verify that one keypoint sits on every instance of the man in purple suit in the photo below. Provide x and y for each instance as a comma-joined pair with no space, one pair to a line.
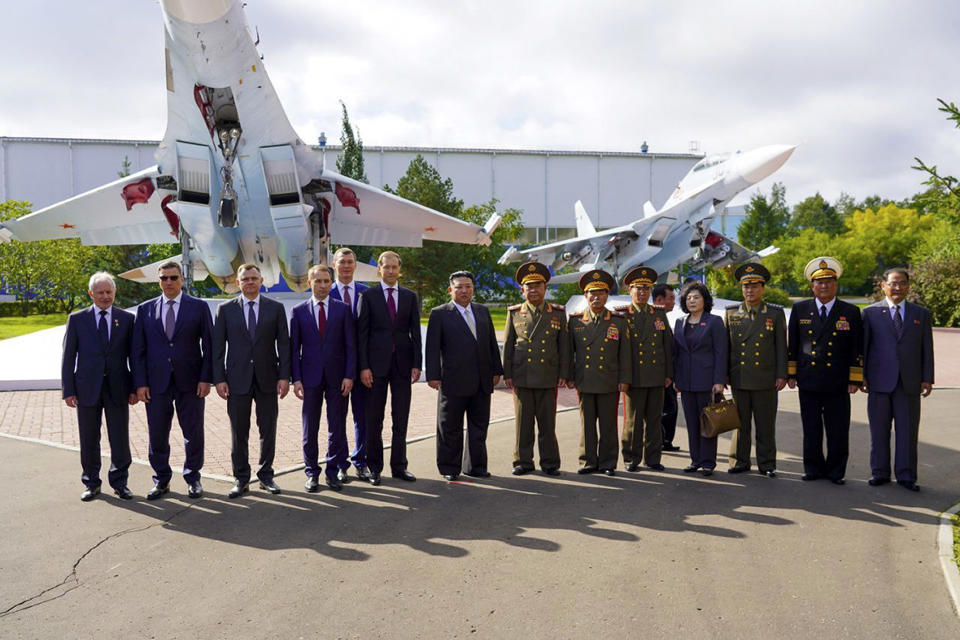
96,382
173,369
897,371
348,291
324,366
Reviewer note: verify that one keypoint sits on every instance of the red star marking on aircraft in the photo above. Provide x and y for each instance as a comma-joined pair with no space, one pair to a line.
429,229
68,226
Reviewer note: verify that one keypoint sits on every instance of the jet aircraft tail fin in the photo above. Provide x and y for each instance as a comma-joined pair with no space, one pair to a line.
584,225
649,210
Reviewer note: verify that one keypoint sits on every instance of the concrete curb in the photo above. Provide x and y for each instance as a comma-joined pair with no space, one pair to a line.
945,543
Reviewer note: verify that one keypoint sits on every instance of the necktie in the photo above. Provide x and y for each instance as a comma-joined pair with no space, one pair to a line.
823,313
102,329
471,322
251,319
897,320
321,319
346,296
752,314
170,321
391,305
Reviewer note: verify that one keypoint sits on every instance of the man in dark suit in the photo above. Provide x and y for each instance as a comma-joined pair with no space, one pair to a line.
757,334
324,364
348,291
390,355
825,338
173,368
95,376
255,368
664,297
898,370
463,363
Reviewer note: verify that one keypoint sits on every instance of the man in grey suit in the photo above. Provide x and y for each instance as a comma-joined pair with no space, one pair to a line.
255,368
897,371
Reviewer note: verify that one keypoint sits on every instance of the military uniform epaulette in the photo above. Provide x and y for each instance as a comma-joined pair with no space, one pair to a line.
733,306
515,307
617,313
550,307
577,315
622,309
773,306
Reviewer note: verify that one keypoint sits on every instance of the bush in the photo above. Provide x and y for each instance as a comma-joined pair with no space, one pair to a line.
936,283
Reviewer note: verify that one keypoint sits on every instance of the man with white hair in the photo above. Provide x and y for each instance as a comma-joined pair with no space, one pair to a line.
95,376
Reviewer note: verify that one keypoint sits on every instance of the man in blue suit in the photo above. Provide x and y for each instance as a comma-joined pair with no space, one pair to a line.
173,369
898,370
324,364
95,375
389,355
348,291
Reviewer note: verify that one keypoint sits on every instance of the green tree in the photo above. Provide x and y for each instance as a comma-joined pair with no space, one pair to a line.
427,269
766,220
891,233
50,274
787,265
350,162
817,214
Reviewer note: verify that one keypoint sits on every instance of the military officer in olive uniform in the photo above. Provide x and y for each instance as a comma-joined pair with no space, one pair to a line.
599,369
536,359
825,337
757,334
651,354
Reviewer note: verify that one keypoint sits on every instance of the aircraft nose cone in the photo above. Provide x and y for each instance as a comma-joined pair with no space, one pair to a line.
758,164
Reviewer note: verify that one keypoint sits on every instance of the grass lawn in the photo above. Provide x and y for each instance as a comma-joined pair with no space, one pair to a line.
497,314
17,325
956,539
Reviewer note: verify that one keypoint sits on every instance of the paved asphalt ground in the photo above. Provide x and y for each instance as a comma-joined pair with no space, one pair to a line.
638,556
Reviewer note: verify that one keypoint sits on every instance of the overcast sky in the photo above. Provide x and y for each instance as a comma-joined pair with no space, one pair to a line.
854,83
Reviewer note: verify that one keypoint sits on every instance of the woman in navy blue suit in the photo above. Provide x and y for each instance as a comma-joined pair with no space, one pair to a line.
700,369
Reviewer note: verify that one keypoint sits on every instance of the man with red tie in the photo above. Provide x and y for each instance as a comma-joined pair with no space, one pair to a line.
324,366
348,290
389,355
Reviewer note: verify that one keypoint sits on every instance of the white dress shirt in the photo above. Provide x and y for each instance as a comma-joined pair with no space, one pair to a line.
162,307
315,307
829,306
246,307
109,317
891,304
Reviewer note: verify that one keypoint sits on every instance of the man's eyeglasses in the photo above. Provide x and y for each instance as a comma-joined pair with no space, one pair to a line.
170,278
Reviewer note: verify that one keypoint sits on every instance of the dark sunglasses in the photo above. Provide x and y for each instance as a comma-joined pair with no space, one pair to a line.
170,278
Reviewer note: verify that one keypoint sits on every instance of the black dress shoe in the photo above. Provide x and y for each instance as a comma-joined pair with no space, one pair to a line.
451,477
158,491
609,472
738,469
807,477
477,474
874,481
374,479
342,476
770,473
656,467
585,470
194,490
706,472
270,486
90,493
838,481
690,468
334,483
552,472
519,471
669,446
312,485
908,485
123,493
632,467
363,473
404,475
239,488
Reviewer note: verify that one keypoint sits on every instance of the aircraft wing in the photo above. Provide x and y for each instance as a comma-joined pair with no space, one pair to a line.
569,252
125,211
720,251
366,215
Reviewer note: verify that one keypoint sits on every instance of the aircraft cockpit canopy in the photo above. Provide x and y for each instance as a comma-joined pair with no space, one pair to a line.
712,161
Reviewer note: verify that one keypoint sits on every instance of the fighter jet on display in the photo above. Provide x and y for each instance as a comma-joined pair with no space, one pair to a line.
233,181
676,234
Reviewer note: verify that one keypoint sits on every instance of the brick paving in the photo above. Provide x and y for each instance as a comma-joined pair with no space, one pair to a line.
42,415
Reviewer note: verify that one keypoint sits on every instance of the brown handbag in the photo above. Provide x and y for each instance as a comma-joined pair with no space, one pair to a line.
719,417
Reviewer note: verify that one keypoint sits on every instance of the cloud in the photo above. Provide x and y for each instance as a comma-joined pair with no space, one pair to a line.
855,82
